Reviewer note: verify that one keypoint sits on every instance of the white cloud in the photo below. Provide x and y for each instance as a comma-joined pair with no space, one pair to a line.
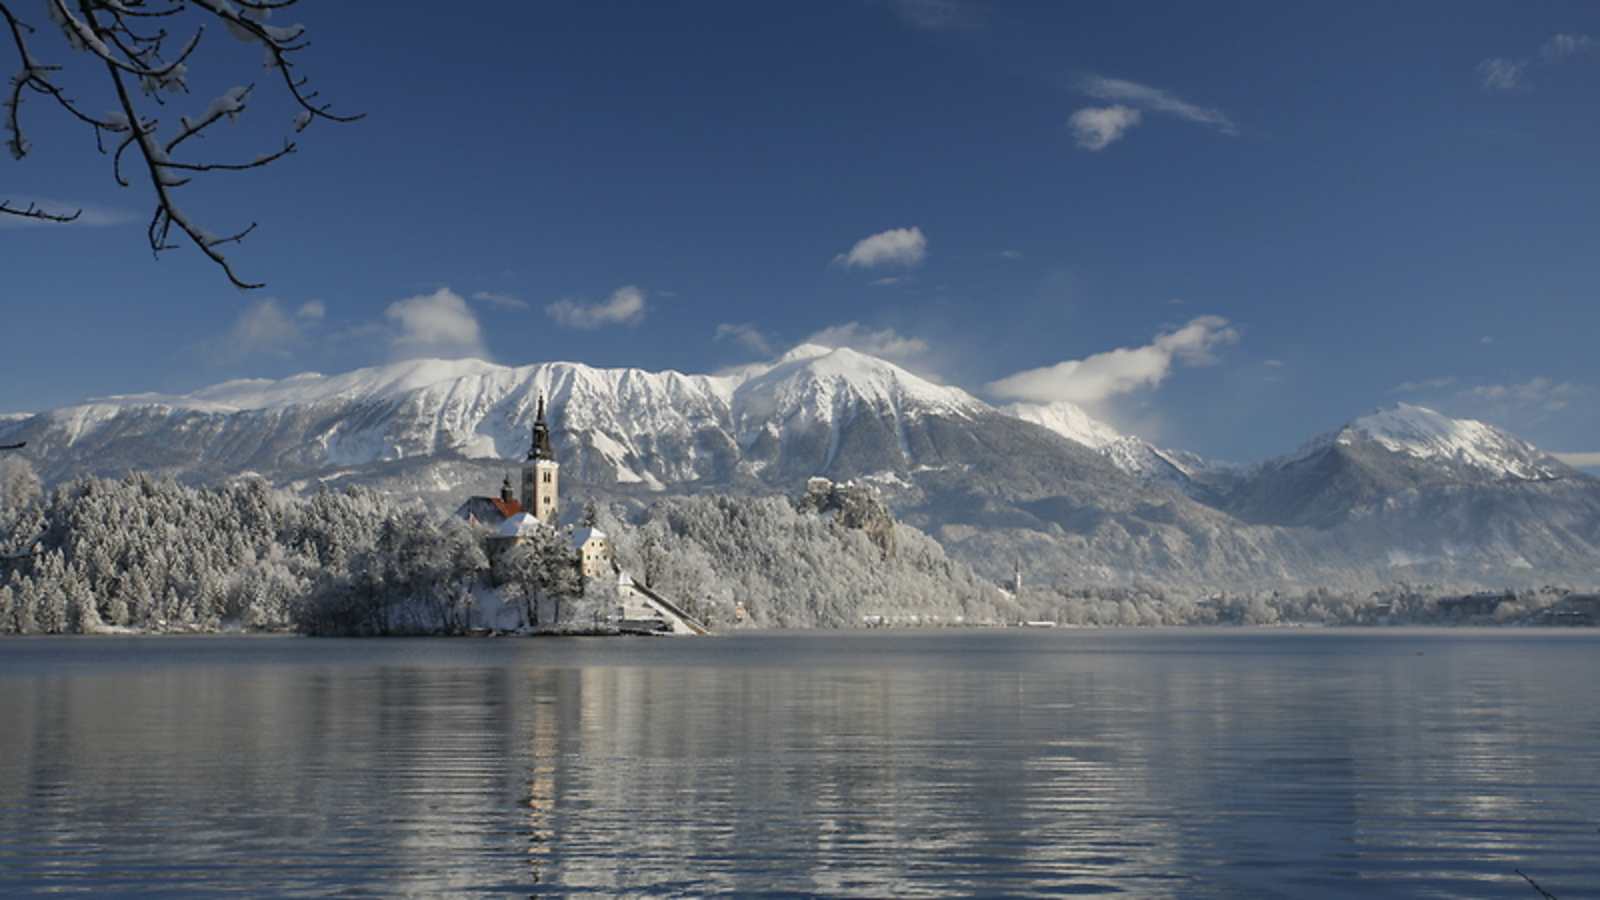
436,324
1153,99
312,311
1564,46
1010,254
897,247
1438,383
885,343
1501,74
500,301
1581,460
625,306
262,328
1540,393
1097,378
744,334
1096,127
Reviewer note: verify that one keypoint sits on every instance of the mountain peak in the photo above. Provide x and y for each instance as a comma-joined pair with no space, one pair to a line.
823,382
801,352
1423,433
1067,419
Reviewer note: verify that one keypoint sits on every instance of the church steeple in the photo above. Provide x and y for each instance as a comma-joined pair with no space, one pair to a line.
540,448
541,474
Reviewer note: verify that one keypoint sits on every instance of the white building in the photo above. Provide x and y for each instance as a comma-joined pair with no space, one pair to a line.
593,547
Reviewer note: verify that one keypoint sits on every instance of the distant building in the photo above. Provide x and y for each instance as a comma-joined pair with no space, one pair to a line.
1576,609
1474,605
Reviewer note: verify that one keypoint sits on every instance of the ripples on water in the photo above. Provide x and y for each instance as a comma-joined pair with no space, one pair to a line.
1235,763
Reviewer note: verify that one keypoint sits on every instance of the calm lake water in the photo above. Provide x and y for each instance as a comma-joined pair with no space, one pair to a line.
1260,763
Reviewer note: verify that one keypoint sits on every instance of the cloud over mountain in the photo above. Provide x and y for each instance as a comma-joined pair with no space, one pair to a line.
885,343
1094,379
436,324
626,306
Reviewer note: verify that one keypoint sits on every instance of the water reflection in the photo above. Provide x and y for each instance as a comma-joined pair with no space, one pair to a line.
1155,764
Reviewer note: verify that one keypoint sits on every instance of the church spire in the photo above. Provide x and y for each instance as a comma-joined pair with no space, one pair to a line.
540,448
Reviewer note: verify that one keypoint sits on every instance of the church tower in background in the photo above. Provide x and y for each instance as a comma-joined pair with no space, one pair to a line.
541,474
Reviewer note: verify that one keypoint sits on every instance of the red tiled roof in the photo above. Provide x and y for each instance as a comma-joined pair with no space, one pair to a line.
507,508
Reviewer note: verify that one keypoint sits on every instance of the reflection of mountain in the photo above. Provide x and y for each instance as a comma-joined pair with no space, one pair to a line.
1402,494
1156,764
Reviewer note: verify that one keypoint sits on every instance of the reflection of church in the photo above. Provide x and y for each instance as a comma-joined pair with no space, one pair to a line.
511,519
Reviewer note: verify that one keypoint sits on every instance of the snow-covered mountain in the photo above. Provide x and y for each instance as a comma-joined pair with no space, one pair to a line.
1069,420
1402,493
618,425
1396,458
1423,434
1130,453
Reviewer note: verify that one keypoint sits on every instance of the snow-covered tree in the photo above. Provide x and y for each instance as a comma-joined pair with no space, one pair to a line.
540,572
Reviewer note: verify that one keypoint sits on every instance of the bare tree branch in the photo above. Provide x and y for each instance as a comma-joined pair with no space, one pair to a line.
33,212
105,29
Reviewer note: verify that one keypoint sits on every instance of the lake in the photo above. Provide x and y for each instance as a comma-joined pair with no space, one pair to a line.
1192,763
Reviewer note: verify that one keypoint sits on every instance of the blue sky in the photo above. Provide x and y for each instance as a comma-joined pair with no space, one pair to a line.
1288,216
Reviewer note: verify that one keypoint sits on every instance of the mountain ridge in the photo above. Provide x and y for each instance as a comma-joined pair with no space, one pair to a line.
1401,493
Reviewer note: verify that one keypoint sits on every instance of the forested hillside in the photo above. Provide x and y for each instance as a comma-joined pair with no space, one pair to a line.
793,566
150,554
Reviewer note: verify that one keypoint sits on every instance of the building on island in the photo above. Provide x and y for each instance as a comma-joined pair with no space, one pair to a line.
541,487
511,519
491,511
594,552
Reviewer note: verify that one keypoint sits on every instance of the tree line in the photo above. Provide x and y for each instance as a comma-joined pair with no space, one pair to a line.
149,554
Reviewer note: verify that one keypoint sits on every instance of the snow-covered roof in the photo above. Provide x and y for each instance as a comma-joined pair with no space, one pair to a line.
585,535
520,525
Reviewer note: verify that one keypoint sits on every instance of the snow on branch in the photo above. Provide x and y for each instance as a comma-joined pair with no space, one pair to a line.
129,40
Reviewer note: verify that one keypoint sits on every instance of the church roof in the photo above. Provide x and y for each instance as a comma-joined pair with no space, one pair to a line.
488,510
520,525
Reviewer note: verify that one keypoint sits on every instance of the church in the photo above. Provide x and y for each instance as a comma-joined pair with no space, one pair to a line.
510,518
540,501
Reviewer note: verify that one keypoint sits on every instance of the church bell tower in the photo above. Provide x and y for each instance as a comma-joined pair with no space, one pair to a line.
541,474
